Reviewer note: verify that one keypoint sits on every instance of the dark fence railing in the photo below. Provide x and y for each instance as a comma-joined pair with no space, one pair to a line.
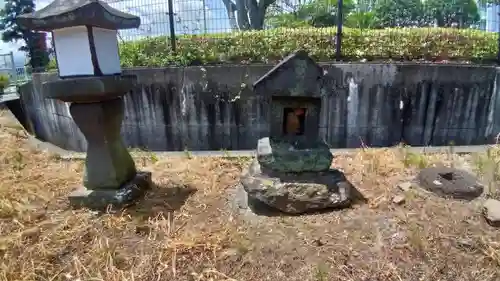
471,33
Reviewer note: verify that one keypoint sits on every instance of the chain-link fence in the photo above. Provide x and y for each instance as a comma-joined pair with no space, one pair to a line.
190,32
7,65
10,74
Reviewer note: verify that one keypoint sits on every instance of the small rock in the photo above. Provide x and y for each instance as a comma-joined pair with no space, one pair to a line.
398,238
491,212
405,186
241,199
142,229
230,252
230,255
465,244
398,199
318,242
436,182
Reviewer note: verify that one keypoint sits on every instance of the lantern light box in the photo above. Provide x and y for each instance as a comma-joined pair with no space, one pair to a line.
86,51
84,34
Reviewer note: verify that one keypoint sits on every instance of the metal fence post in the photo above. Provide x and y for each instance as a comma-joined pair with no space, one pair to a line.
14,69
171,23
338,38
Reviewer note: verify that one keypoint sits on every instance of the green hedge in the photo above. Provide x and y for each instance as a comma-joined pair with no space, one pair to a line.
272,45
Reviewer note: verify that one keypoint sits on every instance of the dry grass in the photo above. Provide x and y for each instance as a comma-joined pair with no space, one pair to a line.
183,229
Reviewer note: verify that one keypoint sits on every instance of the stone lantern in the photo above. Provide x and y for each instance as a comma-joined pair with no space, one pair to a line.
86,47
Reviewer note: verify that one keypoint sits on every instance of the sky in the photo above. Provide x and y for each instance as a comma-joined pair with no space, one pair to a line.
191,17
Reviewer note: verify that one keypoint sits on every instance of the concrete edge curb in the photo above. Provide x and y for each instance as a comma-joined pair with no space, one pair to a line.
71,155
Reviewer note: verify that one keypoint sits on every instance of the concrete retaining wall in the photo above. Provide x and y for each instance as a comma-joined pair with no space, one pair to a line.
212,108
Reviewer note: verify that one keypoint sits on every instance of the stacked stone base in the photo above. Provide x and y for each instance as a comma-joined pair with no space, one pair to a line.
296,192
106,199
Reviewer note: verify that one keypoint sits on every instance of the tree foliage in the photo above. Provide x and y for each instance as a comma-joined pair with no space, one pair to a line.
378,13
362,20
317,13
447,13
399,13
489,2
12,32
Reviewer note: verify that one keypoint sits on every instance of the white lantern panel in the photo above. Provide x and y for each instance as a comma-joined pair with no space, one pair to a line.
76,57
106,46
73,54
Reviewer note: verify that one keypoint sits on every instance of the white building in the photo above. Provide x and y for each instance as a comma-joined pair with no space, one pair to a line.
490,20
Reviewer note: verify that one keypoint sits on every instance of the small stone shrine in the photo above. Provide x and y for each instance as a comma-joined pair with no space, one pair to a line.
86,47
292,171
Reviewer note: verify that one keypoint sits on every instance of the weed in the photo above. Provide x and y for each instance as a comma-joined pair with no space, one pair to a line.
451,154
321,273
188,154
153,157
487,166
417,239
412,159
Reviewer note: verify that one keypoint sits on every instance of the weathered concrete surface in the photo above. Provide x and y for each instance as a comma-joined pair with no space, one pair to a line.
212,108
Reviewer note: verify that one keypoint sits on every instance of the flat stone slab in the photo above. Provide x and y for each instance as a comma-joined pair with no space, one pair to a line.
102,199
89,89
297,193
293,155
450,183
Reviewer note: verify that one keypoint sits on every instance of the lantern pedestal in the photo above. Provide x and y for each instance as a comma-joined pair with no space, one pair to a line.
97,108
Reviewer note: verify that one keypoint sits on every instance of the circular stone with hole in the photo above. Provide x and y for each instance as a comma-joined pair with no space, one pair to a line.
450,182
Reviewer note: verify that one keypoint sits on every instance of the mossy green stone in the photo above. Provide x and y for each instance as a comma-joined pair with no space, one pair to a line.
294,155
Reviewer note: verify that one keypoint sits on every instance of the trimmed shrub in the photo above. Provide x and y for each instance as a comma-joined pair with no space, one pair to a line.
269,46
4,81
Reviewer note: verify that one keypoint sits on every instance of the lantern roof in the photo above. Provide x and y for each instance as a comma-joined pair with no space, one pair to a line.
68,13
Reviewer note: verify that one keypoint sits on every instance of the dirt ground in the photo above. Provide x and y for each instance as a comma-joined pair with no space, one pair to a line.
185,228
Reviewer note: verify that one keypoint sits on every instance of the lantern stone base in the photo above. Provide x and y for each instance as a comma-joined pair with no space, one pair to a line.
89,89
103,199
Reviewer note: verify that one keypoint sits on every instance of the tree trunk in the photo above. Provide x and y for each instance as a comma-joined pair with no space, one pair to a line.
250,14
230,10
242,15
256,13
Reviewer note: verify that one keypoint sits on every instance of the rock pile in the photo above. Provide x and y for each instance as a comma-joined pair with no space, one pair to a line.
293,175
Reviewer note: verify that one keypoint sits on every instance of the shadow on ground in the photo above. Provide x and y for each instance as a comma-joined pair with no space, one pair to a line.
162,198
